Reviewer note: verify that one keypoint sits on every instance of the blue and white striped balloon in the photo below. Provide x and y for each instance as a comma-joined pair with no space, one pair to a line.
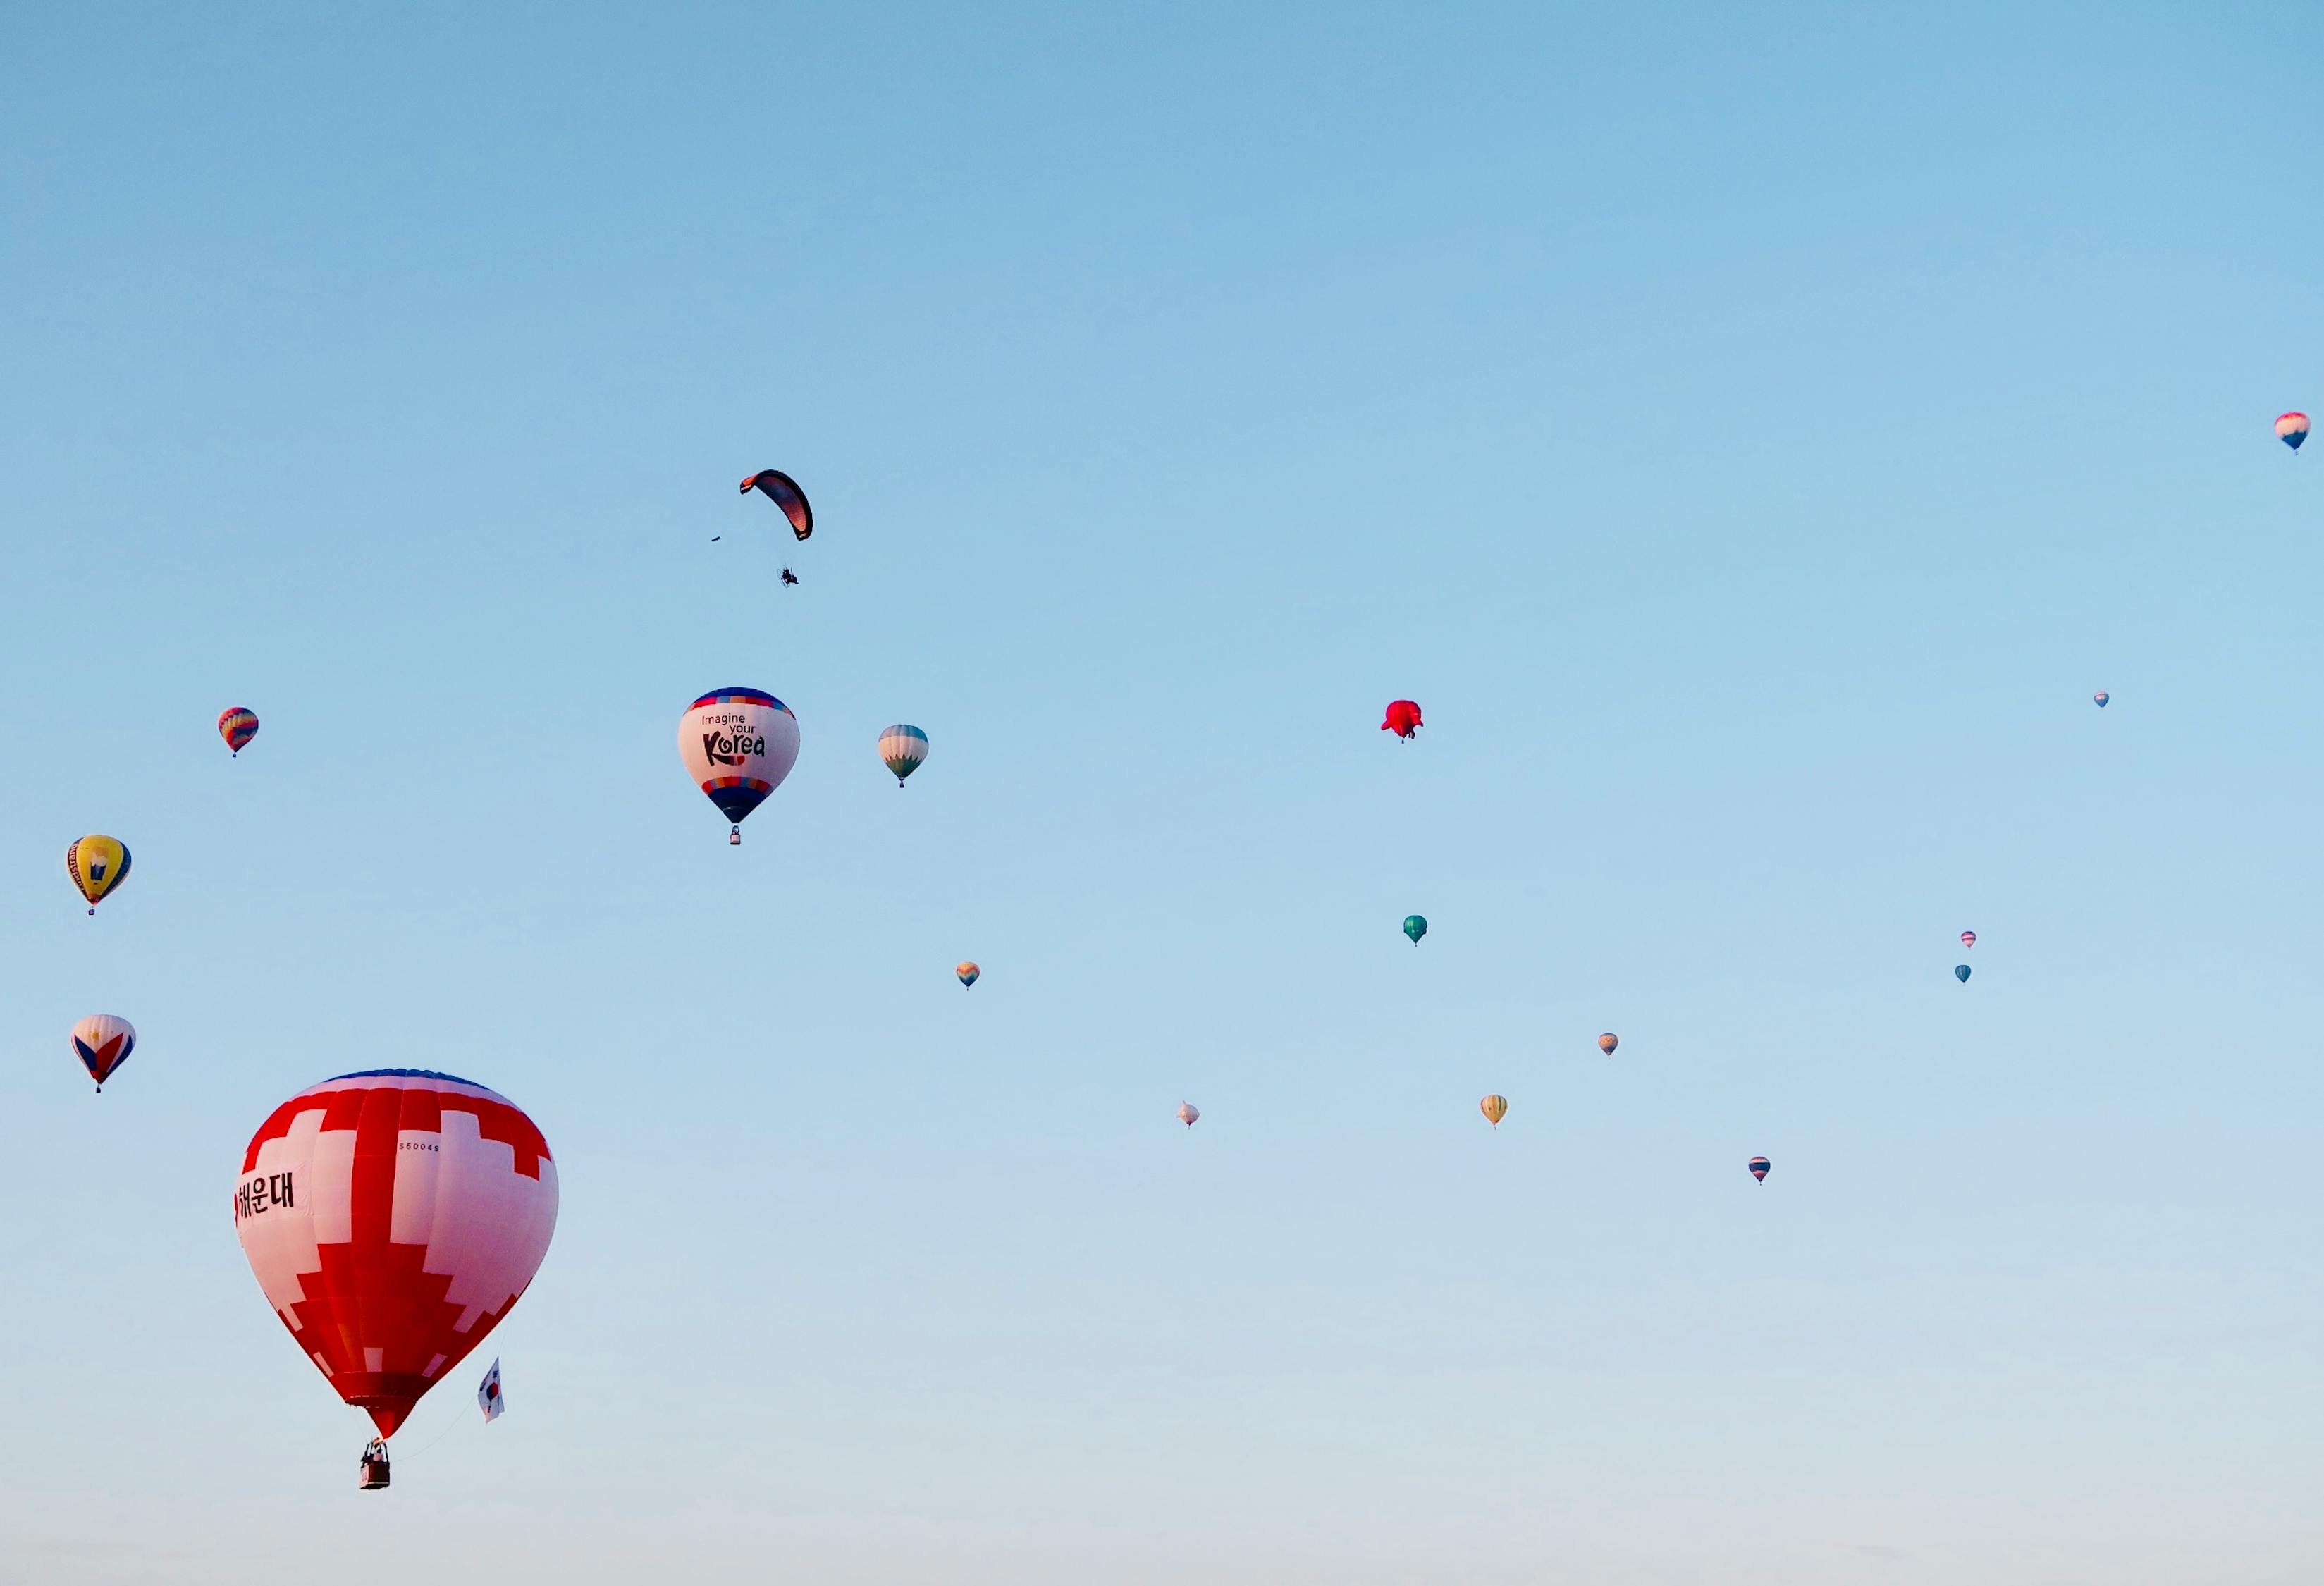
902,749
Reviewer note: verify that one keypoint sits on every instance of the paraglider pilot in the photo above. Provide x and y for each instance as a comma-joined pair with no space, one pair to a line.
789,576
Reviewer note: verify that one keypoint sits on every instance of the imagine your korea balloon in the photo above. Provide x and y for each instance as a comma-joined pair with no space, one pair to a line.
738,745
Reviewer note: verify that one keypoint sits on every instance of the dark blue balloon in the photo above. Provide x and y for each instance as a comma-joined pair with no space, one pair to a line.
1960,972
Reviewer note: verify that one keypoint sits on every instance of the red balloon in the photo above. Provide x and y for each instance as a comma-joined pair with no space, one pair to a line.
1403,718
392,1218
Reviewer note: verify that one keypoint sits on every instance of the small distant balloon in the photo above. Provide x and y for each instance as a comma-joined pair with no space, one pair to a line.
1969,938
1415,927
238,726
102,1042
1188,1113
901,750
1759,1165
1402,719
968,972
1608,1042
2292,429
97,865
1495,1108
1960,972
2101,697
784,491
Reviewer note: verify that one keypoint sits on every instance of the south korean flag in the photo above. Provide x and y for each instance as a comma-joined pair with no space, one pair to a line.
488,1394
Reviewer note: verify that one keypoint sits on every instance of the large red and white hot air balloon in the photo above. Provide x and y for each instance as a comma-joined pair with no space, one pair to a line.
392,1218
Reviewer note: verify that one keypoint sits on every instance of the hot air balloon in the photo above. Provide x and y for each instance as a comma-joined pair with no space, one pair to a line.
2101,697
738,745
1969,938
968,972
97,865
781,489
102,1042
1960,972
392,1217
1608,1042
1188,1113
238,726
2292,429
1759,1165
1415,927
1402,719
901,750
1495,1108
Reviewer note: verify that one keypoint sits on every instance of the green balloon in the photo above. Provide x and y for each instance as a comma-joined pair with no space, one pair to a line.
1415,927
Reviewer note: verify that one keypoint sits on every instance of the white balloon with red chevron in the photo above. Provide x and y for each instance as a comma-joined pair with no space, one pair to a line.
392,1218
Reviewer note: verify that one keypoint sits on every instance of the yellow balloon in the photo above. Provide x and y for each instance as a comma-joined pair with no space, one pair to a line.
1495,1108
97,865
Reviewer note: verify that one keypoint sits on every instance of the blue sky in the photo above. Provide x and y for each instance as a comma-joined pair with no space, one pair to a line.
1751,439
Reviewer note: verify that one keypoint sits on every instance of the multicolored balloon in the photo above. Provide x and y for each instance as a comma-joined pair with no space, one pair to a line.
784,491
1415,927
97,865
967,971
902,749
1969,938
2101,697
2292,429
102,1042
738,745
1495,1108
238,726
1402,719
1759,1165
392,1217
1608,1042
1960,972
1188,1113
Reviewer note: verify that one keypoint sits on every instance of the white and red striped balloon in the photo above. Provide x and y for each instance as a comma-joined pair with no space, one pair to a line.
392,1218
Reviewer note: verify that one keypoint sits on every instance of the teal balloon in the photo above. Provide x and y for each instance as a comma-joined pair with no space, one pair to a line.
1960,972
1415,927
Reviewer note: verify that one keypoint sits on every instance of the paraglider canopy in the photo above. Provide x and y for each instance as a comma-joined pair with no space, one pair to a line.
1415,927
1403,718
781,489
2292,429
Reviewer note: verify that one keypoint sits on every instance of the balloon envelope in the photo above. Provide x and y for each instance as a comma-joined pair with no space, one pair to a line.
1188,1113
2292,429
97,865
784,491
1403,718
1969,938
1759,1165
901,751
392,1217
2101,697
238,726
1417,927
968,972
1960,972
1495,1108
738,745
102,1042
1608,1042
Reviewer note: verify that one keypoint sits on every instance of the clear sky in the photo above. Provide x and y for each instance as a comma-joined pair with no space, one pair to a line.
1752,440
